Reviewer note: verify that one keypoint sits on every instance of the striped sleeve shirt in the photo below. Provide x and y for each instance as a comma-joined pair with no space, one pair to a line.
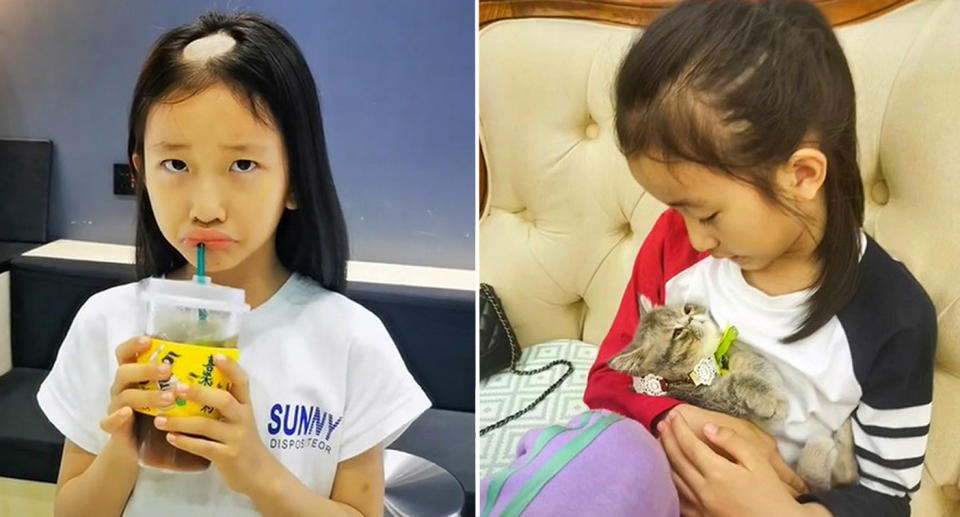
873,360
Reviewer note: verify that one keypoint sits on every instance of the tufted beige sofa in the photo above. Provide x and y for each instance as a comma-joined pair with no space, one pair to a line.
562,219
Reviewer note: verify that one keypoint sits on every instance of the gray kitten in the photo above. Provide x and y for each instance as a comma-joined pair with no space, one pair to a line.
672,342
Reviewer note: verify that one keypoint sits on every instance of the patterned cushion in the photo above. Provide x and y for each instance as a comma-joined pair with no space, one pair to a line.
504,393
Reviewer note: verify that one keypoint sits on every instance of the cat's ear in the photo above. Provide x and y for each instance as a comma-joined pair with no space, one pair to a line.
645,306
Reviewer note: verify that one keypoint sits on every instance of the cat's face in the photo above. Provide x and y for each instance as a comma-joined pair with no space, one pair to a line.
669,342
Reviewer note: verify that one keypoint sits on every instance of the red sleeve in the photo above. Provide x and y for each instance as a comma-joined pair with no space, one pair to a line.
665,252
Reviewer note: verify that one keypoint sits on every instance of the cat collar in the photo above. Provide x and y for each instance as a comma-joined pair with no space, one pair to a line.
703,374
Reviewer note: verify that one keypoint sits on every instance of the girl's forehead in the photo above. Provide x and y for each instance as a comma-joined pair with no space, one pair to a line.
213,112
677,183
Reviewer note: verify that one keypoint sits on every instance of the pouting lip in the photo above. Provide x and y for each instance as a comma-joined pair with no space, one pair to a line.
210,245
206,236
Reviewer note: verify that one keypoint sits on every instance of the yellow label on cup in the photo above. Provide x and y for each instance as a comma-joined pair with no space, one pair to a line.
191,364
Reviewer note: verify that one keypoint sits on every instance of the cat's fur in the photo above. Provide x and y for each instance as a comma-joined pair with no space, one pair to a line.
670,341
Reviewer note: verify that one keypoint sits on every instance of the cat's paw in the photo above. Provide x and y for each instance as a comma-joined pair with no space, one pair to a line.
781,411
816,463
770,408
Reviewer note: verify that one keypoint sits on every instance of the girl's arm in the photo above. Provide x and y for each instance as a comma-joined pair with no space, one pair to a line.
91,484
100,484
357,491
892,421
665,252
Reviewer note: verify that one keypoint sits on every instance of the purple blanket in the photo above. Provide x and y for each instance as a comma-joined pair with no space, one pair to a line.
599,464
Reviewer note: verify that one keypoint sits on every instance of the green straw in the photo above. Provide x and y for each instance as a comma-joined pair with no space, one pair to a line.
201,273
201,262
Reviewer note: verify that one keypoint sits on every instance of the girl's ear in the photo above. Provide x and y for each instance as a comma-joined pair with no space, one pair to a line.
291,203
804,173
137,163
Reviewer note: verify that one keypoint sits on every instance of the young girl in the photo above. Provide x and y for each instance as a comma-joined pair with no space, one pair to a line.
740,116
228,146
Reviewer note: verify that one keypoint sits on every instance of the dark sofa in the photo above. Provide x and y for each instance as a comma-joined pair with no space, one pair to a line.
24,195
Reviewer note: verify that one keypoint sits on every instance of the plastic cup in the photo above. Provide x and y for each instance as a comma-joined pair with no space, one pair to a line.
188,322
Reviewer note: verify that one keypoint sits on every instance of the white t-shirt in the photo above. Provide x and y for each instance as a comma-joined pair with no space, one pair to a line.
308,352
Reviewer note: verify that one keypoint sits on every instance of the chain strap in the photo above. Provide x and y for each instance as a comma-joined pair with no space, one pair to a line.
514,351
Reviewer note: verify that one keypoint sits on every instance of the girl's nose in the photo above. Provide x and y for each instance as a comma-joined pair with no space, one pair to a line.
206,212
700,239
206,204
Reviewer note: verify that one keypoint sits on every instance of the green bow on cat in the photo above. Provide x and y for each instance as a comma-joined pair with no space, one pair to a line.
722,354
705,371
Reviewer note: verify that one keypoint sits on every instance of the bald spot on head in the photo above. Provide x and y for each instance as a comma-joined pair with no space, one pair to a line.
203,49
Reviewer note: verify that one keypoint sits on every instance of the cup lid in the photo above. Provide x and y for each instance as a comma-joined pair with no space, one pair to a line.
192,294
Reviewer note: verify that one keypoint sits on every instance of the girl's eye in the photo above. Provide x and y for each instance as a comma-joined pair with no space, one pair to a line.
174,165
243,166
708,219
677,332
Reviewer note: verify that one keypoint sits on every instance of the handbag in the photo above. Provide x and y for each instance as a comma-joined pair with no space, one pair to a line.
499,350
498,344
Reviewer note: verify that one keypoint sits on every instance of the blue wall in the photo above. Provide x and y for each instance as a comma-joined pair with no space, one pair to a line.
397,89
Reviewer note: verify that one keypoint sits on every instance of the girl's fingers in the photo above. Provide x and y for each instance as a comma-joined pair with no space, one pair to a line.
683,490
197,425
131,374
114,421
795,485
740,449
220,400
678,461
239,382
129,350
138,398
199,446
699,453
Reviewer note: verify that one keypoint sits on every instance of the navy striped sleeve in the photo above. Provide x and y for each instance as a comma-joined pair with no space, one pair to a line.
891,327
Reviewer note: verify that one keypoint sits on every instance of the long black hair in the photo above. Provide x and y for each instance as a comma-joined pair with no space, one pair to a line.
736,86
266,68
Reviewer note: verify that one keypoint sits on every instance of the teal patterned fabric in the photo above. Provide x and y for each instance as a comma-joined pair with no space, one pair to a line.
504,393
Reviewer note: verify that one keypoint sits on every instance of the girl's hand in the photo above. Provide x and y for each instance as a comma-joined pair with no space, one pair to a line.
710,484
232,443
125,394
747,431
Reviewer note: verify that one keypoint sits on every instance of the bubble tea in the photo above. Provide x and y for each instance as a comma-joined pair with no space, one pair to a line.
188,322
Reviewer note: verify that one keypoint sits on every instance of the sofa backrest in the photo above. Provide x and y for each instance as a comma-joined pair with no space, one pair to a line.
25,167
45,294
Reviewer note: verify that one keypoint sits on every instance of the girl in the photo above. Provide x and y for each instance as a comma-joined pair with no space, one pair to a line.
227,143
740,116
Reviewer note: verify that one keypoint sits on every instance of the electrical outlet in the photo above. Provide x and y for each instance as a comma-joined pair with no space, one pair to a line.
124,181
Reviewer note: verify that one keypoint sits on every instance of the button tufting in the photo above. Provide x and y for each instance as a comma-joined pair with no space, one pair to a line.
592,131
879,193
